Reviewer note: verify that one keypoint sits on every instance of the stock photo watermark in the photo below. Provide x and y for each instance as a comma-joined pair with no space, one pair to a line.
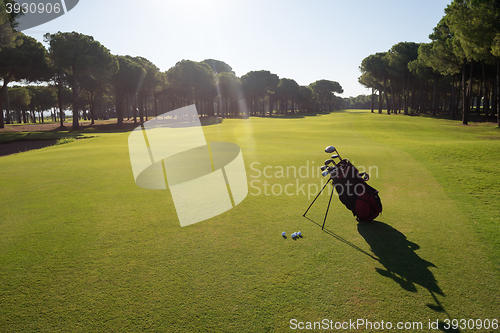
386,325
32,13
205,179
304,180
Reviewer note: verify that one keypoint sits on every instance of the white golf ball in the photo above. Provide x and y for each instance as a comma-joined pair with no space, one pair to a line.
283,234
294,235
299,233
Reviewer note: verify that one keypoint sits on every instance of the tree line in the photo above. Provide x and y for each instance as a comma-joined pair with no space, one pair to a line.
79,73
458,72
358,102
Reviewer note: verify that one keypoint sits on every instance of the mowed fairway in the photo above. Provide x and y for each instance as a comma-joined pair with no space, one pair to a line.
84,249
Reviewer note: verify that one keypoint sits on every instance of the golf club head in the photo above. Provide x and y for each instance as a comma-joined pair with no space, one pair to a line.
325,173
330,149
323,168
329,161
335,156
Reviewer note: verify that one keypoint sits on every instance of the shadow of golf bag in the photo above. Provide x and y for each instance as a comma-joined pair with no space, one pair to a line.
359,197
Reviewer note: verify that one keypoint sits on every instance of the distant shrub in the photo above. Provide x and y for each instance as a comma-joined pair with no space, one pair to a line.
64,140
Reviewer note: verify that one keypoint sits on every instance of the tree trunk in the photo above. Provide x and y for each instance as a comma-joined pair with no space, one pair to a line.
92,111
493,100
405,106
134,107
119,109
400,103
434,95
478,101
7,105
59,102
4,88
466,100
393,97
127,102
161,104
469,91
497,97
140,105
420,94
263,106
452,104
464,94
380,101
486,102
2,121
155,105
373,98
412,99
386,96
76,124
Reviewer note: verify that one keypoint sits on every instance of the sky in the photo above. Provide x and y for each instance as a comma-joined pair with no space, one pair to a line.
304,40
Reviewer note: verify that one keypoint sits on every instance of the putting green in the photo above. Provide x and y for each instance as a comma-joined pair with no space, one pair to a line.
83,248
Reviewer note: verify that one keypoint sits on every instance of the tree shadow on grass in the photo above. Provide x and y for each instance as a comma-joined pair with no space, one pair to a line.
22,146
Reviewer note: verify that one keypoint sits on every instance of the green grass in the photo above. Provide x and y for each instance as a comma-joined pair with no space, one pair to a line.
83,249
461,158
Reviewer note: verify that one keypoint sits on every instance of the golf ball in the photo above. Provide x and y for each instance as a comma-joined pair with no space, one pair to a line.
294,235
283,234
299,233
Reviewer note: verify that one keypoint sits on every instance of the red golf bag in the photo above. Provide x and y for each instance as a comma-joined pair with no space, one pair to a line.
359,197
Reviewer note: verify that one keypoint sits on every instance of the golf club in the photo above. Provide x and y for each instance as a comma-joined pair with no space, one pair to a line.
330,149
328,171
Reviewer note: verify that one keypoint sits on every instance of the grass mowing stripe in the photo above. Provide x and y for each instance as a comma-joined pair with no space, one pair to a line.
461,158
84,249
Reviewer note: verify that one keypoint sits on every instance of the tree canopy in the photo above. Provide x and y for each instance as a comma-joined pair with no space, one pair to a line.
26,61
104,85
452,71
79,56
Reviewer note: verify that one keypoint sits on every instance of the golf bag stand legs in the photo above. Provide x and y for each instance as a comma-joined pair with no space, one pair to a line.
327,208
324,220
